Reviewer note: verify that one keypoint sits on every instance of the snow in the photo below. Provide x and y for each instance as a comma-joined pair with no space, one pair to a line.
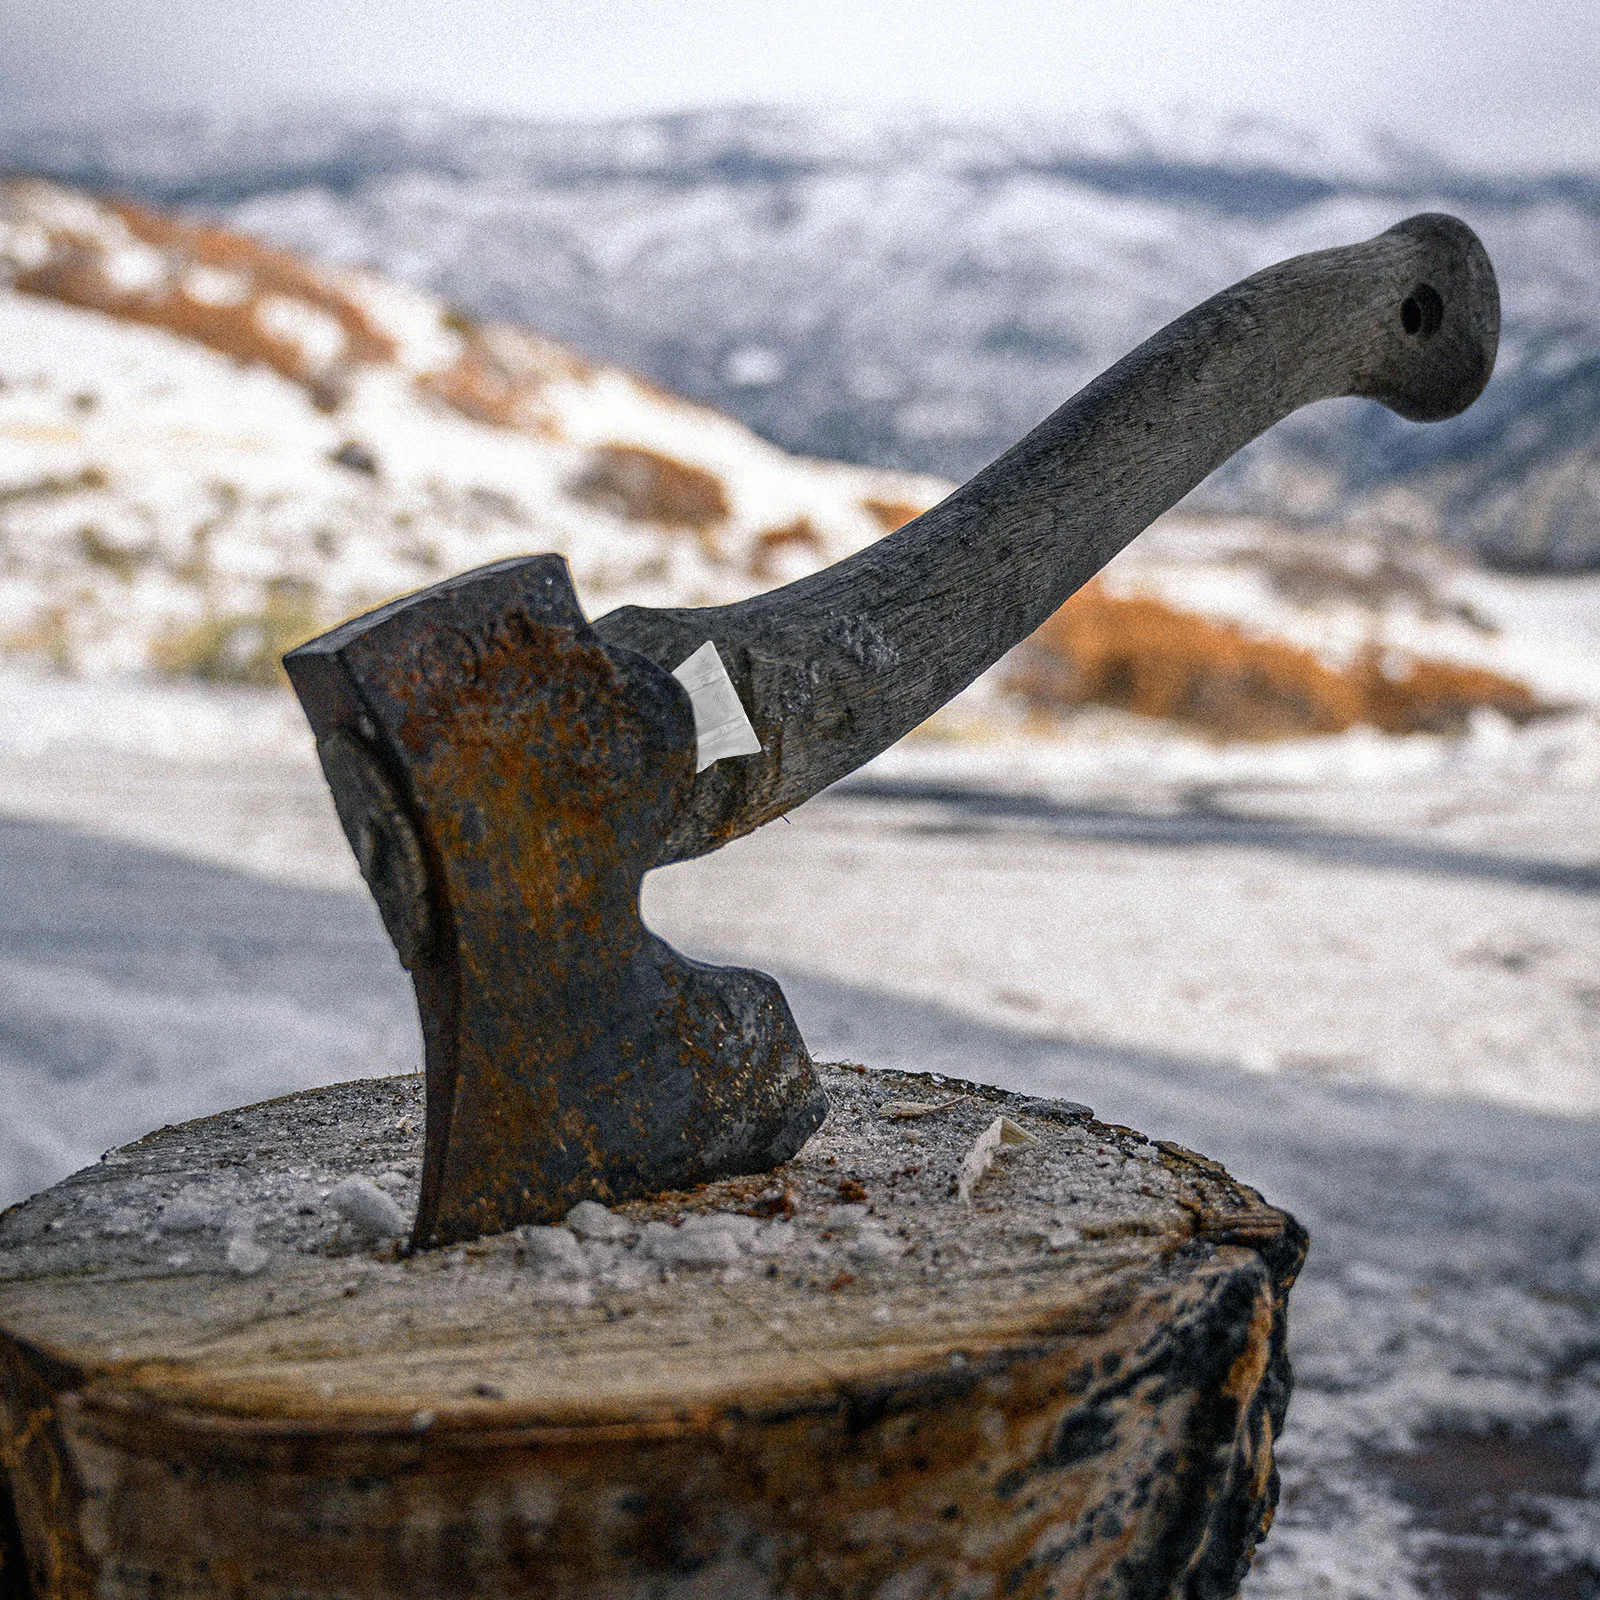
591,1220
554,1252
698,1247
426,342
215,286
367,1208
910,270
596,1245
185,1215
1542,631
319,336
245,1254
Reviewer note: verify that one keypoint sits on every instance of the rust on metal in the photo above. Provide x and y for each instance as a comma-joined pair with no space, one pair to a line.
505,779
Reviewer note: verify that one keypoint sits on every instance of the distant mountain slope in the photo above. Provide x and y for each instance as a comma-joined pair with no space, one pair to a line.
918,295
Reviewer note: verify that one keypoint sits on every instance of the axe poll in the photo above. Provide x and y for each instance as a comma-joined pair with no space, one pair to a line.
506,770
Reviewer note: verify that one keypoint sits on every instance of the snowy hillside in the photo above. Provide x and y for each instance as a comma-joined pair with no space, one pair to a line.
918,294
208,451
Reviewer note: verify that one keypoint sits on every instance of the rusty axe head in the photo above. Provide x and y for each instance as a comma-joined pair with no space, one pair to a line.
505,778
506,771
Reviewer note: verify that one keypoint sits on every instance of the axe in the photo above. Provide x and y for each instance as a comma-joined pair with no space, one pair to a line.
506,771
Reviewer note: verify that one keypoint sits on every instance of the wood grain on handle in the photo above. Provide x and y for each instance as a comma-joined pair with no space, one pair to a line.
837,666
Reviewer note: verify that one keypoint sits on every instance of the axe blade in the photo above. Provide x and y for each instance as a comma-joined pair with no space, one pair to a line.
505,779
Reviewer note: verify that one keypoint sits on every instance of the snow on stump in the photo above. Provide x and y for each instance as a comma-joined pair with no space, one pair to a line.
876,1372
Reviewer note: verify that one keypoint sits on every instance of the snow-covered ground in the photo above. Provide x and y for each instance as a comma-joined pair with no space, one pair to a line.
1362,972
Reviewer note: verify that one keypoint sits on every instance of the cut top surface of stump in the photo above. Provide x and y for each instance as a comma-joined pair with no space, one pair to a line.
204,1268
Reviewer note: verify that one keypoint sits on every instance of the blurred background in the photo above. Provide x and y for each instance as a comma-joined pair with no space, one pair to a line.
1276,840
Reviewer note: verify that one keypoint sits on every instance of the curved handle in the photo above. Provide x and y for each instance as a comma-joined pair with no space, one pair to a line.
837,666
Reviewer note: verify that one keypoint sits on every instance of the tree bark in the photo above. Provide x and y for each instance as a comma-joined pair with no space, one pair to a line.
857,1376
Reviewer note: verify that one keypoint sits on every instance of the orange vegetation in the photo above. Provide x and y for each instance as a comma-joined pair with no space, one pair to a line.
256,304
1142,655
501,375
891,514
646,486
773,542
217,288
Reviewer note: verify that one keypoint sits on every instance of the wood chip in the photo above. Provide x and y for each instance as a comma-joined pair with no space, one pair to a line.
985,1148
903,1110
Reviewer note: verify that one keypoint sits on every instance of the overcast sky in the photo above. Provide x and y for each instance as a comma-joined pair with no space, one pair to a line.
1498,79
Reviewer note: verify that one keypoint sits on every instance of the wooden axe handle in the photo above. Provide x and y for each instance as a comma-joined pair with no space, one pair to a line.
837,666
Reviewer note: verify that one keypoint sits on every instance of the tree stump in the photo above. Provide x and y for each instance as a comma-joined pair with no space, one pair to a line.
875,1372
